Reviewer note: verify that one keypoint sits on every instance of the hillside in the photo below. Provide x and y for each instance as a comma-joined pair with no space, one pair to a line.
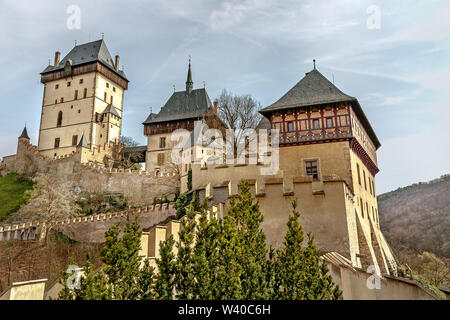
13,193
418,216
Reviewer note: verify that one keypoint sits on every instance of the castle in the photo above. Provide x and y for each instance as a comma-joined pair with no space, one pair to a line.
327,151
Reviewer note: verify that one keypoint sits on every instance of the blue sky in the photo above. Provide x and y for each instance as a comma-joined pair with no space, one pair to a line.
400,72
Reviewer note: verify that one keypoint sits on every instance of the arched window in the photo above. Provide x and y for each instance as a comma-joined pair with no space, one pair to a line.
59,121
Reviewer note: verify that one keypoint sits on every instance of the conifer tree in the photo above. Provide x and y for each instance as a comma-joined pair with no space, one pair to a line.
165,283
301,275
252,241
184,276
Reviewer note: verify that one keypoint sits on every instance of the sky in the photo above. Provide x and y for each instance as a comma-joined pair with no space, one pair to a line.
391,55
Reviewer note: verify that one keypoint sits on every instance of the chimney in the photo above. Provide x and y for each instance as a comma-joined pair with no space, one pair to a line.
57,56
116,65
215,106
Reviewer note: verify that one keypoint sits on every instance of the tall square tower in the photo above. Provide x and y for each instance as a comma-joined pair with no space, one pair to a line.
83,96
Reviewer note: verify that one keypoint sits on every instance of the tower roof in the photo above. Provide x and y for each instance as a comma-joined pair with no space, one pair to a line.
83,142
315,89
189,82
113,110
87,53
182,105
24,133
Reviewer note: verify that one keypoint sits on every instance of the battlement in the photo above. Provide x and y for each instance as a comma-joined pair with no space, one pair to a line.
33,230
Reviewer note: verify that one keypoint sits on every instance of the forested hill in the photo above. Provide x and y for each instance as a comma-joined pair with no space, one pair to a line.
418,216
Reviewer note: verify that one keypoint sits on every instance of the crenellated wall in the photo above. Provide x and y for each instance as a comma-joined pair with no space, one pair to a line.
138,187
90,228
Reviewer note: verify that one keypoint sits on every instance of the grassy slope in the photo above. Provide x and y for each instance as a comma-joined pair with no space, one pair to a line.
13,194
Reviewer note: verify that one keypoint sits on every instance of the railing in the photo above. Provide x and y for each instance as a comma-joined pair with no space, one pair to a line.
296,137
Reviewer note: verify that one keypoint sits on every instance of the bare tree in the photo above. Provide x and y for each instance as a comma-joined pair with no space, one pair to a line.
238,112
126,154
51,200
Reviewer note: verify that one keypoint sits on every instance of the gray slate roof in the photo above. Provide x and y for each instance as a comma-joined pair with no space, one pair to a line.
182,105
83,142
264,124
24,134
86,53
313,89
113,110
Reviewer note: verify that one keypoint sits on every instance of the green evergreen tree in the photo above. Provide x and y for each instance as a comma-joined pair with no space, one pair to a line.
252,241
184,276
165,281
300,275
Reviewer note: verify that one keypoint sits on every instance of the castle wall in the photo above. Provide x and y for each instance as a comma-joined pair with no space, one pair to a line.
138,187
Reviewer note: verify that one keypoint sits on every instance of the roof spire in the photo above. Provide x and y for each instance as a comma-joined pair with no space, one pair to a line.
189,82
24,133
314,61
83,142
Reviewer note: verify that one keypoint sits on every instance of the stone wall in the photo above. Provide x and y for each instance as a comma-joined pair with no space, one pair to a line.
90,228
138,187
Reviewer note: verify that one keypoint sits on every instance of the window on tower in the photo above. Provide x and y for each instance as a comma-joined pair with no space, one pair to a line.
162,142
56,142
81,81
105,96
329,123
359,173
56,86
74,140
160,159
290,126
311,169
59,120
69,83
76,95
316,124
85,92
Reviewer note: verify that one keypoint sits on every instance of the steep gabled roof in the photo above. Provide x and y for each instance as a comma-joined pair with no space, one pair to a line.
86,53
182,105
83,142
24,133
313,89
113,110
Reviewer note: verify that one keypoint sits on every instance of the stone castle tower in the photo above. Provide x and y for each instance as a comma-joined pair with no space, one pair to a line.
82,103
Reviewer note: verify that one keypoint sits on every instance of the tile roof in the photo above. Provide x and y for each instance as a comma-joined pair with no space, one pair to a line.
182,105
315,89
113,110
86,53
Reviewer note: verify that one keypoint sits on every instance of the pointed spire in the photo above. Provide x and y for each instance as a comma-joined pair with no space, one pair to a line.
189,82
314,61
24,134
83,142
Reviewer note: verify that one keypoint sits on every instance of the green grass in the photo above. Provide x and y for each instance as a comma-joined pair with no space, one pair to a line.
13,193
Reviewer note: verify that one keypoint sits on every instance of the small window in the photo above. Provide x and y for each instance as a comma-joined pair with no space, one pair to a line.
107,85
111,100
85,92
162,142
365,183
367,210
311,169
101,136
56,142
290,126
329,123
81,81
56,86
105,96
362,207
79,111
114,89
69,83
62,100
76,95
74,140
71,107
56,101
373,188
359,174
160,159
316,124
59,119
